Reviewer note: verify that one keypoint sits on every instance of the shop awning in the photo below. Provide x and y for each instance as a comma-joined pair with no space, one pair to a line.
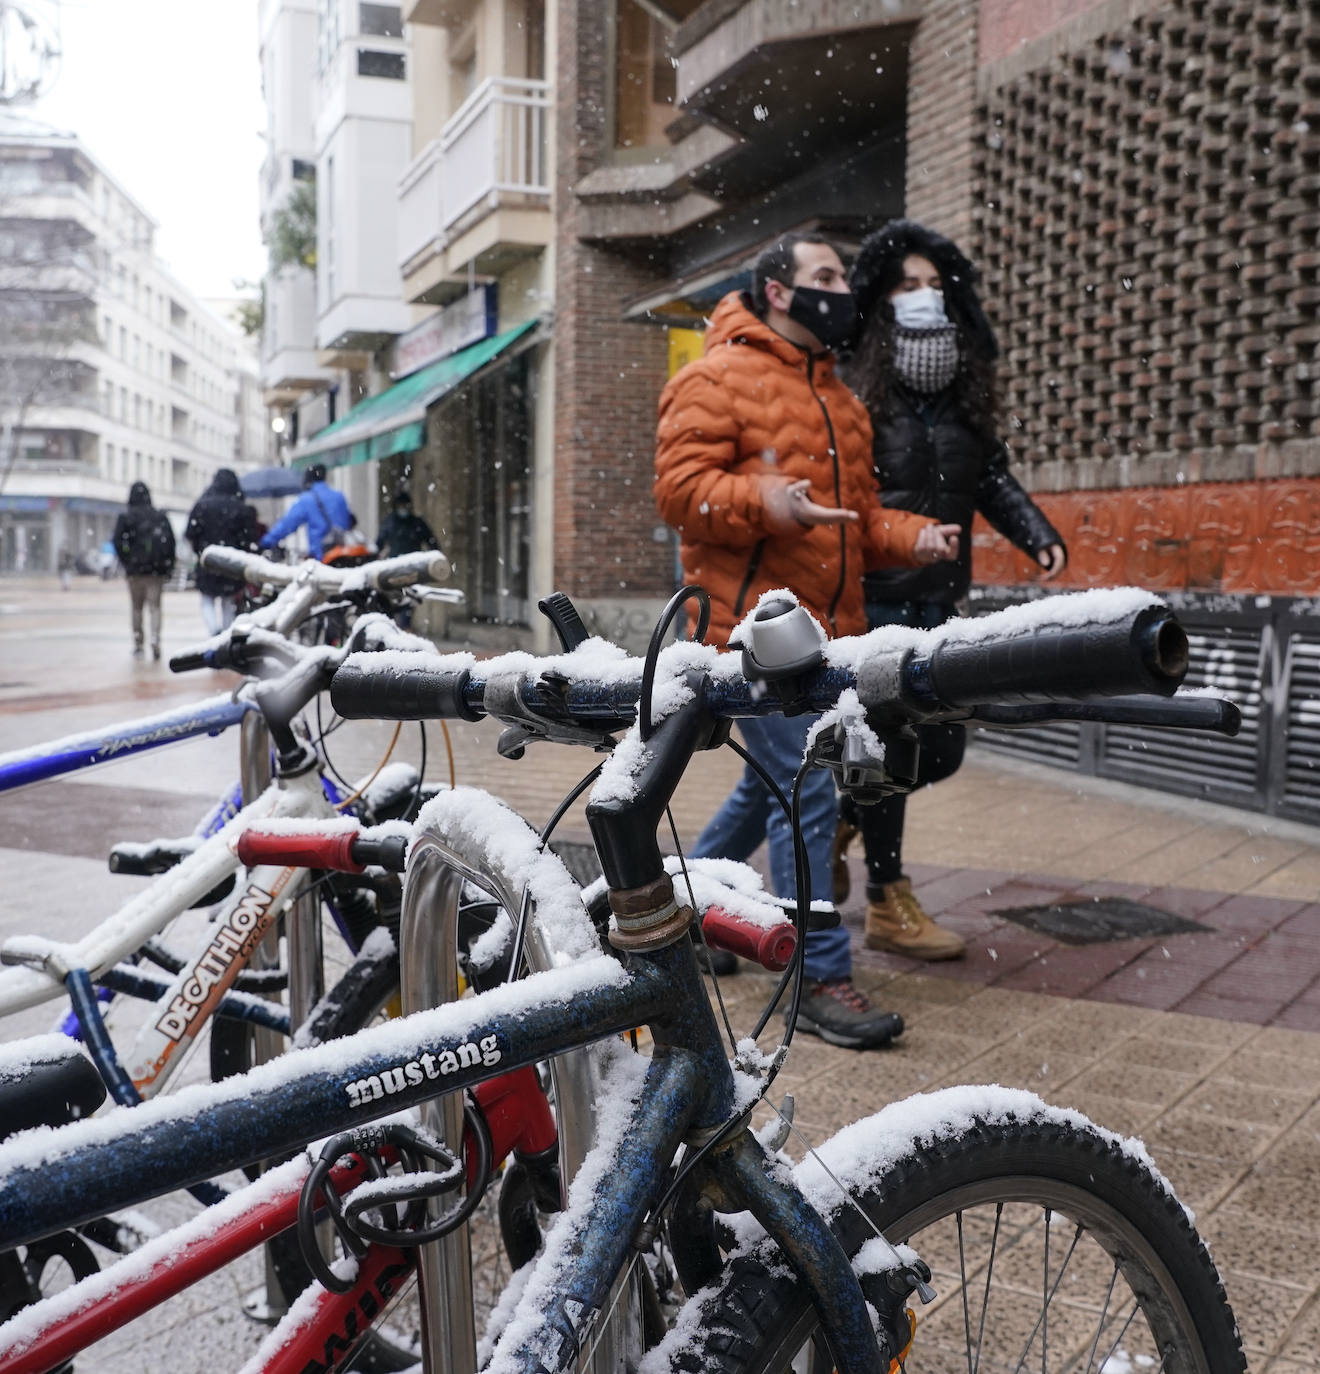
395,420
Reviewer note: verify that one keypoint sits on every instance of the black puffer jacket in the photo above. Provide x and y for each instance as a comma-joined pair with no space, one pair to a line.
936,464
221,516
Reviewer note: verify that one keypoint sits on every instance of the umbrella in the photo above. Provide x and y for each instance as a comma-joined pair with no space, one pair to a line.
271,482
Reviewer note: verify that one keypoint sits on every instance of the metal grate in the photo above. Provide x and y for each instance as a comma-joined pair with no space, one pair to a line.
1098,920
1301,772
1230,661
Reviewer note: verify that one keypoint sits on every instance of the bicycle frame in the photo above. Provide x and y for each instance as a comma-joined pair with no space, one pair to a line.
92,747
195,991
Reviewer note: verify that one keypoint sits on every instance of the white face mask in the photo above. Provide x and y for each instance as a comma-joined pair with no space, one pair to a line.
920,309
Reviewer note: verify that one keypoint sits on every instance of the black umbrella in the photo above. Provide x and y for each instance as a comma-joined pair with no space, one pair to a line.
271,482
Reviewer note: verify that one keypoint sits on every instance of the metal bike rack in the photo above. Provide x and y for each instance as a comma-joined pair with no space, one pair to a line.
438,866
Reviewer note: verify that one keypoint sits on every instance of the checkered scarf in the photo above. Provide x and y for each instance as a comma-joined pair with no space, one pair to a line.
926,360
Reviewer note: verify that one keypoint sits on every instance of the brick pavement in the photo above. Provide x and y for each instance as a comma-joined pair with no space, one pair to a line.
1203,1043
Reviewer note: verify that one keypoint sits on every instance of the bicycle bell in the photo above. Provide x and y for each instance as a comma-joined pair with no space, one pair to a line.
781,642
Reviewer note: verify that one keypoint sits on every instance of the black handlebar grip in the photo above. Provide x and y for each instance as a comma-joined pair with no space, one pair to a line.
563,615
389,853
1146,653
228,562
187,662
368,690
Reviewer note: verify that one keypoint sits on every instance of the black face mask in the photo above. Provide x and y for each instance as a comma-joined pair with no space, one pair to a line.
830,315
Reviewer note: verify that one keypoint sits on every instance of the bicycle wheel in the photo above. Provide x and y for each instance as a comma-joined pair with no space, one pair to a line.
1051,1249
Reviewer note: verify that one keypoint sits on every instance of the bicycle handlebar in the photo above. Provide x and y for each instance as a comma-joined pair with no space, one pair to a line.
345,849
429,566
949,671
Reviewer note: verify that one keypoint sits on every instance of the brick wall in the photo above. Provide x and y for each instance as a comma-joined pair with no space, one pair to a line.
608,373
942,126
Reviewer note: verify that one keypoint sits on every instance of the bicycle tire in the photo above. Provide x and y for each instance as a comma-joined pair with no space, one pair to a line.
983,1181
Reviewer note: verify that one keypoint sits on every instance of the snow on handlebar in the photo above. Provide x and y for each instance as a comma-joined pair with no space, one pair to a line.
385,574
1075,647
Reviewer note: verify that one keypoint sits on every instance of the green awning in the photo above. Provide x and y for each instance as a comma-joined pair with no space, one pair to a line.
395,421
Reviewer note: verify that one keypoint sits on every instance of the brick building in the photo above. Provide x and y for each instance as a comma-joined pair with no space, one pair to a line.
1139,181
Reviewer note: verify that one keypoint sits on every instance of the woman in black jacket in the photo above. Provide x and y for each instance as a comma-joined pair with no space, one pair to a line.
924,366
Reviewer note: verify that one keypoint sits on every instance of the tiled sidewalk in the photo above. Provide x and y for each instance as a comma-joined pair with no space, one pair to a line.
1258,961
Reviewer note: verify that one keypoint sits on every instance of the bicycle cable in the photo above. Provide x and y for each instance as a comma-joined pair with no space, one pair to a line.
353,796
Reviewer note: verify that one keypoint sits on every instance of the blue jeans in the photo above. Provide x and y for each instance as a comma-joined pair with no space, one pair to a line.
750,814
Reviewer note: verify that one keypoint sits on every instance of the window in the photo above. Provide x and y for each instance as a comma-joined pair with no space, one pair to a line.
107,331
645,81
327,34
328,235
123,344
123,404
380,21
137,411
387,64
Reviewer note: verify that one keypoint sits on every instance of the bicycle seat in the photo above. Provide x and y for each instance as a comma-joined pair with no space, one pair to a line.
46,1081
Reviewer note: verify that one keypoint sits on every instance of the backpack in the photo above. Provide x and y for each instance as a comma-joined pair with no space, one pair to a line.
158,545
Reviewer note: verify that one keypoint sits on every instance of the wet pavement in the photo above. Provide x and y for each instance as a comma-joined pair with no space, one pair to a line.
1203,1042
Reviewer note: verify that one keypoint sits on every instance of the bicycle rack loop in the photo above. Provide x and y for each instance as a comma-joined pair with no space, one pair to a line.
438,865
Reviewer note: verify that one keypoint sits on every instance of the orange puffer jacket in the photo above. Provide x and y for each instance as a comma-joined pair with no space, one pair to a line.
757,405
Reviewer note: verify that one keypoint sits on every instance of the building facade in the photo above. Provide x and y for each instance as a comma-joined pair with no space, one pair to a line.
111,372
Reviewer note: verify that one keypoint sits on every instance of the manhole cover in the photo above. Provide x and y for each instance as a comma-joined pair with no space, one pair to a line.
1092,922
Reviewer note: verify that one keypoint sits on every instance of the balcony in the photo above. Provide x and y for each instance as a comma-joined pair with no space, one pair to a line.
480,193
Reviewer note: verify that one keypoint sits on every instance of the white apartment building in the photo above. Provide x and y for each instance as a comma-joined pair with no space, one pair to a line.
126,377
339,111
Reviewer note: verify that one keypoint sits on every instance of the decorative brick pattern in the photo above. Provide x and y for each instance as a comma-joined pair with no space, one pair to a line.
1148,221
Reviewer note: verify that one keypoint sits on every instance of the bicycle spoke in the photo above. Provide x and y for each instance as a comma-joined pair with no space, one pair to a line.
1104,1315
1122,1333
989,1275
1049,1293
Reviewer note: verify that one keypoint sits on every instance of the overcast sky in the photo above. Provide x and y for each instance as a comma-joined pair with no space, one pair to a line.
166,95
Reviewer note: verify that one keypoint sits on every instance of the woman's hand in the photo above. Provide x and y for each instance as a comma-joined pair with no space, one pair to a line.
937,543
1054,559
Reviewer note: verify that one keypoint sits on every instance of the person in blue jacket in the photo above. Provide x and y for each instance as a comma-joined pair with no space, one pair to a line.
322,509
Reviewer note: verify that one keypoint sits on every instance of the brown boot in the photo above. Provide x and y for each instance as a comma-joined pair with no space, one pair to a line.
899,925
843,837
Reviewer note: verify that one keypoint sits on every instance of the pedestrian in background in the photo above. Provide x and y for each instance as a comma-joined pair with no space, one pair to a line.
322,509
144,544
763,465
403,531
221,516
924,364
66,565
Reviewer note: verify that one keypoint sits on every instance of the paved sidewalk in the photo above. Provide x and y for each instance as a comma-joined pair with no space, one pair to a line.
1204,1043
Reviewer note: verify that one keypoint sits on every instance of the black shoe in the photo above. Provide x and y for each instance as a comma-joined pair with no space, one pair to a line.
155,652
835,1010
717,961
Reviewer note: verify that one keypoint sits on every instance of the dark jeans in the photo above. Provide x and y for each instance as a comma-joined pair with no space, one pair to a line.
750,814
941,755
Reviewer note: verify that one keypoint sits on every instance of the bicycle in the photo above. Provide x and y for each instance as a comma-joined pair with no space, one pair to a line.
213,979
825,1264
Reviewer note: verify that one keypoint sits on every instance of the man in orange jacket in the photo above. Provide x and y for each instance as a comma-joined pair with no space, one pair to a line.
763,465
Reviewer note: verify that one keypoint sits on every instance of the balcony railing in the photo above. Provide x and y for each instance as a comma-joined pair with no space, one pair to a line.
494,145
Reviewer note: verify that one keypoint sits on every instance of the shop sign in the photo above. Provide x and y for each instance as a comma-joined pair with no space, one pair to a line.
460,324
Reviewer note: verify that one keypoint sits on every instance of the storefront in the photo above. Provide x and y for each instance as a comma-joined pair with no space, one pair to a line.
458,431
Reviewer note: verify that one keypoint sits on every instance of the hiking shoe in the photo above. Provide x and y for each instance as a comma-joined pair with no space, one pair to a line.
843,837
898,924
839,1013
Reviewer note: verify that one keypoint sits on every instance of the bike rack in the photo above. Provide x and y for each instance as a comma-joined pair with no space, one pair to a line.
438,865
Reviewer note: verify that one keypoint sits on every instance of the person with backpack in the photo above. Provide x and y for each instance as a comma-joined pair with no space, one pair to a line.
144,543
322,509
221,516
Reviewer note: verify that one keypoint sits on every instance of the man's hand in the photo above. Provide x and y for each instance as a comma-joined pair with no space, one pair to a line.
788,506
1054,559
937,543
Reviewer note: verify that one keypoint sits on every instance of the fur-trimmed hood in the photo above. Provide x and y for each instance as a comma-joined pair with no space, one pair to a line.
879,268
